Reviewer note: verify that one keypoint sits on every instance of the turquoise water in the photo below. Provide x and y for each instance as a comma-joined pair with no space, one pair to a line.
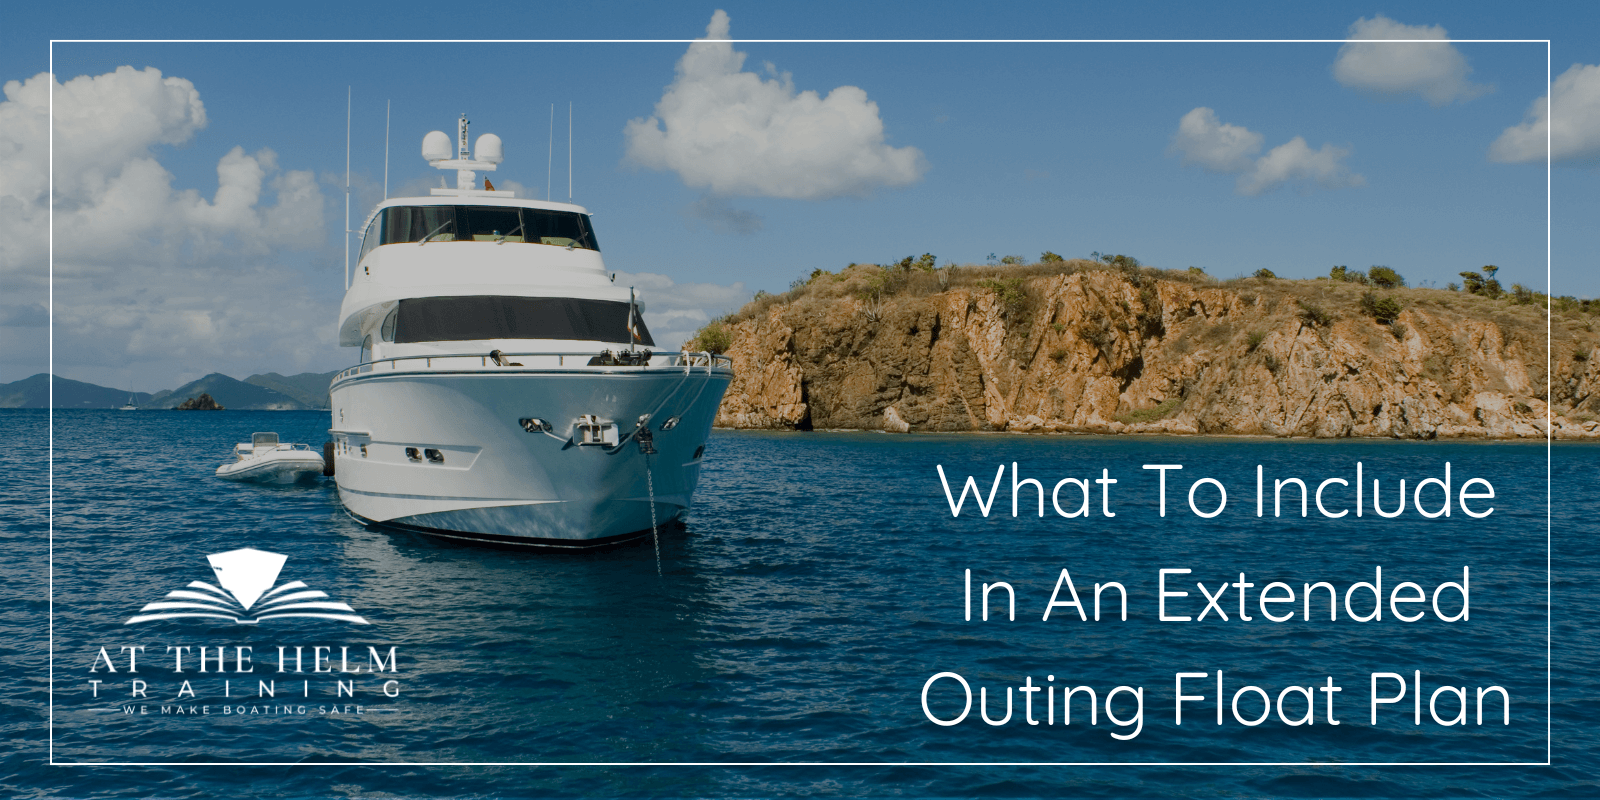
818,586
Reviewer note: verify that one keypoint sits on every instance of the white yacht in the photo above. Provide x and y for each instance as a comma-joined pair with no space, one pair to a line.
507,390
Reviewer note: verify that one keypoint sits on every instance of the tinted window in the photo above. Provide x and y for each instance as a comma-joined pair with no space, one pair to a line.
402,224
418,223
455,319
489,223
369,240
559,228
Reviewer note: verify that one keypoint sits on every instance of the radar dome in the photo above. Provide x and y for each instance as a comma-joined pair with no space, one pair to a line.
436,146
488,149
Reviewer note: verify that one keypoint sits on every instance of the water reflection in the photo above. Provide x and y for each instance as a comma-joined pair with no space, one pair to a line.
543,656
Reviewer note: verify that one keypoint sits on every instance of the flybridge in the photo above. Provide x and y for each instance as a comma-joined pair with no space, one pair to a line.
488,154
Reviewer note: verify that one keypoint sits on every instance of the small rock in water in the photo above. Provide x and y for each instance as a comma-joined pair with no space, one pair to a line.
202,403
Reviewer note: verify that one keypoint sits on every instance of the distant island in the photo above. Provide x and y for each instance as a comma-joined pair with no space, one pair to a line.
202,403
1107,345
269,392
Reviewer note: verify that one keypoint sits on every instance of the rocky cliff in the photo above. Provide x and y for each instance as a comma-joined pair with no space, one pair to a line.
1141,351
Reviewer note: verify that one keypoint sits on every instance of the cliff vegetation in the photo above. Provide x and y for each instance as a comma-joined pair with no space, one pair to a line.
1108,345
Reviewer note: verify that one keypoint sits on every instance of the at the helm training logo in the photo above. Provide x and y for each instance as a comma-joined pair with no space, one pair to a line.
248,576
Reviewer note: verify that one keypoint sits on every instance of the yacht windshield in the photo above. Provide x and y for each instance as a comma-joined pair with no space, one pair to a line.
478,317
419,224
499,224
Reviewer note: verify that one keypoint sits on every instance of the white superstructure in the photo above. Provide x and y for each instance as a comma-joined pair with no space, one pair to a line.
507,390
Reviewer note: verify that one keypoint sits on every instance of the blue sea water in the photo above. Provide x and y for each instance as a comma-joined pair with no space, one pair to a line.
792,625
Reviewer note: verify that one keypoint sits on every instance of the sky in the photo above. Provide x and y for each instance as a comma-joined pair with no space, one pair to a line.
199,186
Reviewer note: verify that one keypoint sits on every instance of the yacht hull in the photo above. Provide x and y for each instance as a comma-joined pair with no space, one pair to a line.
474,470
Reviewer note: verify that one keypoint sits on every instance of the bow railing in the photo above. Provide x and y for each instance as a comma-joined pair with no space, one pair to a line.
586,361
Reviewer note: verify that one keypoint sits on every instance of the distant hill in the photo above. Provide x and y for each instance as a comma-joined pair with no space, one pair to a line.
230,393
308,388
34,392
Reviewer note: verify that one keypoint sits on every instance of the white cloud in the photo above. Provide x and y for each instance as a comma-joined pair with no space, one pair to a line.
674,311
1576,133
147,273
1438,72
1205,141
736,133
1295,162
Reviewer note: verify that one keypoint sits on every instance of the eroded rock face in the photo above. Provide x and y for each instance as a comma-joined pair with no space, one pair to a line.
1096,353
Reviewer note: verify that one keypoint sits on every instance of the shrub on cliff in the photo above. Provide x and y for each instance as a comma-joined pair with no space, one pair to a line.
713,338
1491,287
1127,265
1385,278
1314,315
1097,333
1048,257
925,263
1482,283
1118,260
1265,273
1384,309
1163,410
1010,292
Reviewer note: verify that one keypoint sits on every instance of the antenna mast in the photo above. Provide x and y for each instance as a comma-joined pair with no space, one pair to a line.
550,159
386,109
347,96
569,151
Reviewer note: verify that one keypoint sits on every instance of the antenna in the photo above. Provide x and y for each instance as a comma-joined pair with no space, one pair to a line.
386,109
550,160
347,96
569,151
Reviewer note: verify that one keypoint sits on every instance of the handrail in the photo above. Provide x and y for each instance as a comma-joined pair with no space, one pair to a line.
683,360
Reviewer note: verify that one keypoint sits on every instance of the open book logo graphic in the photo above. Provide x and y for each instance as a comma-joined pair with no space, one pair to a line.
247,579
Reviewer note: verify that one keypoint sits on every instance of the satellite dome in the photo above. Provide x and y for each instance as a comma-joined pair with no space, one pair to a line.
436,146
488,149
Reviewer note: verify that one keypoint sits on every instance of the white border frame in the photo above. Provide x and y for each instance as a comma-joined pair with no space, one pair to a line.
1548,434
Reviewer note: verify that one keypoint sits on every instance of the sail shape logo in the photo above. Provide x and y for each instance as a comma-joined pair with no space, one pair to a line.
247,579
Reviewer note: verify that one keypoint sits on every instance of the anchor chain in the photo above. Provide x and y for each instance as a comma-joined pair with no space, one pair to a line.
647,446
654,534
